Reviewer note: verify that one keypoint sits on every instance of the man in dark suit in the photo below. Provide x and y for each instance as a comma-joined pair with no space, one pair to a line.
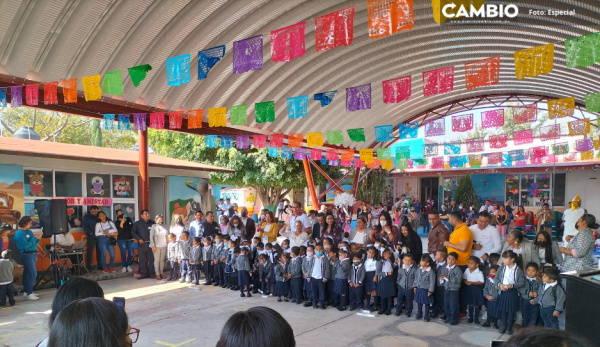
318,226
248,223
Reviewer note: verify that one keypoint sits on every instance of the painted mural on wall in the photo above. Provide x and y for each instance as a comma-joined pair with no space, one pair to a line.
11,193
489,187
186,195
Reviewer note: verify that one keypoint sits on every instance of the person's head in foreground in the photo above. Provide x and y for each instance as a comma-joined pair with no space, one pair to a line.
74,289
257,327
547,337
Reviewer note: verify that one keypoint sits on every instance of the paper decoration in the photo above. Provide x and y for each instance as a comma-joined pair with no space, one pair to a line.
534,61
50,93
396,90
248,54
335,137
402,152
276,140
345,163
498,141
522,137
482,73
112,83
264,111
430,149
383,154
124,122
451,148
314,139
356,135
387,164
157,120
475,145
226,141
138,73
325,98
16,96
323,159
437,162
109,121
579,127
524,114
69,91
297,106
217,117
570,157
517,155
273,152
462,123
212,141
458,161
260,141
538,152
387,17
589,155
295,140
208,58
178,70
32,92
334,29
560,148
408,130
332,154
492,119
374,164
552,159
494,158
597,144
506,160
288,43
315,154
583,51
438,81
91,87
475,160
358,163
242,141
3,97
402,164
358,98
584,145
139,121
550,132
300,154
560,108
436,127
347,154
592,101
384,133
175,119
366,155
238,114
195,118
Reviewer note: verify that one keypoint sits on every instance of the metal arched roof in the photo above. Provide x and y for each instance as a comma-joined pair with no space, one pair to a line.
49,41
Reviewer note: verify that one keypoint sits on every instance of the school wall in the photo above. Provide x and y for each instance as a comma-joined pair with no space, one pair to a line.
587,185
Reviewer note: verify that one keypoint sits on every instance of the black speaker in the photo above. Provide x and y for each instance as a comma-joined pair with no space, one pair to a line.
42,206
53,216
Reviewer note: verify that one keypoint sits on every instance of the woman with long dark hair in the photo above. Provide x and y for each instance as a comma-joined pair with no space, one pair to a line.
257,326
385,229
27,244
547,250
236,228
106,232
525,250
332,229
411,240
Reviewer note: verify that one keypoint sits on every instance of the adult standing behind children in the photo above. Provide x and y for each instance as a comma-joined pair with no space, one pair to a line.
89,226
27,245
438,233
461,240
486,238
211,228
248,223
141,232
298,214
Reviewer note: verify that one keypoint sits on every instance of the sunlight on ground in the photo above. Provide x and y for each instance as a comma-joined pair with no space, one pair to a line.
154,289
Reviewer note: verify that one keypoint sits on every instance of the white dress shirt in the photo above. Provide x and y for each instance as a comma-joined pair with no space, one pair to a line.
488,238
475,276
509,275
370,265
317,267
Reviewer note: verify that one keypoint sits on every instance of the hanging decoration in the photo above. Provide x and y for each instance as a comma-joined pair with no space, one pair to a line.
494,158
345,163
288,43
402,152
435,127
109,120
124,122
374,164
430,149
462,123
437,162
475,145
475,160
295,140
260,141
175,119
550,132
438,81
387,17
226,141
273,151
3,102
458,161
139,121
332,154
32,93
178,70
194,119
347,154
396,90
537,154
248,54
498,141
366,155
51,93
264,111
334,162
579,127
356,135
383,154
451,148
534,61
297,106
276,140
112,83
517,154
524,114
334,29
157,120
387,164
323,159
384,133
408,130
592,102
584,145
300,153
560,108
335,137
552,159
238,114
212,141
522,137
325,98
589,155
69,91
560,148
91,87
506,160
314,139
358,98
315,154
482,73
570,157
492,119
208,58
583,51
138,73
16,96
358,163
401,164
217,117
242,141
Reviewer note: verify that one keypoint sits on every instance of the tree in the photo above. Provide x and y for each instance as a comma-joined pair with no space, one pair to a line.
96,133
372,188
465,192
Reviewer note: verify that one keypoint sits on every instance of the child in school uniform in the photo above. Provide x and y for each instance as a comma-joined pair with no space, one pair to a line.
331,297
185,246
530,311
551,297
274,259
208,258
356,277
172,256
474,280
493,259
425,287
370,285
295,270
438,295
242,264
7,265
318,272
195,260
307,288
230,267
451,275
341,279
264,272
406,285
282,284
385,282
490,294
219,262
509,279
256,285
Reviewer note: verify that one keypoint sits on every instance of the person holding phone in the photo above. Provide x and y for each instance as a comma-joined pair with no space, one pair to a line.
27,244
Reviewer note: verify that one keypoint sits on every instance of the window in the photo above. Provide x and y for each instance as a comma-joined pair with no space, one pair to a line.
38,183
98,185
450,183
533,190
68,184
128,210
512,189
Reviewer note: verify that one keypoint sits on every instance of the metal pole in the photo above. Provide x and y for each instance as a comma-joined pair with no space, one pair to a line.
144,180
311,185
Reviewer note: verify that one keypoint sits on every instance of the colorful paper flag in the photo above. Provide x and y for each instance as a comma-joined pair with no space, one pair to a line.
112,83
217,117
524,114
387,17
538,152
260,141
288,43
458,161
492,119
331,154
374,164
212,141
475,160
396,90
16,96
273,152
208,58
300,153
69,91
550,132
570,157
494,158
517,155
276,140
583,51
366,155
534,61
139,121
436,127
334,162
402,152
295,140
592,102
314,139
560,108
178,70
226,141
506,160
438,81
383,154
384,133
358,98
401,164
462,123
522,137
264,111
334,29
315,154
408,130
195,118
297,106
430,149
242,142
552,159
138,73
335,137
51,93
451,148
32,93
589,155
323,159
482,73
345,163
475,145
347,154
157,120
498,141
109,121
387,164
248,54
437,162
325,98
3,102
358,163
560,148
579,127
175,119
238,114
584,145
356,135
91,87
124,122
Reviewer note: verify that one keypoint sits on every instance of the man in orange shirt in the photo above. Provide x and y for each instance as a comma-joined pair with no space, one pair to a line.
461,242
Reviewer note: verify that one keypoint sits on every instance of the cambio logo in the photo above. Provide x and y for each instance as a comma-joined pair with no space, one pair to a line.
452,10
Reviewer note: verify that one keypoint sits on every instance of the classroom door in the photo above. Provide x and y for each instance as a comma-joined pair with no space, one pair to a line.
158,198
429,188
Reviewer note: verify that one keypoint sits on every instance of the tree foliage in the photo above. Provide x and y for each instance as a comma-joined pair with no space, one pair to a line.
465,192
372,188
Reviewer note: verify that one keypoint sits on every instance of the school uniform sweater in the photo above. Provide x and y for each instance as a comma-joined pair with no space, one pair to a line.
490,290
195,254
454,280
184,249
549,296
343,269
406,277
280,270
325,267
356,274
264,269
295,267
173,251
519,277
208,254
242,263
532,285
426,279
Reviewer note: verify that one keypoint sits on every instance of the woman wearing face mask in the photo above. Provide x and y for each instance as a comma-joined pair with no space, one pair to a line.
236,228
413,220
159,242
223,222
578,253
332,229
177,226
547,250
385,230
